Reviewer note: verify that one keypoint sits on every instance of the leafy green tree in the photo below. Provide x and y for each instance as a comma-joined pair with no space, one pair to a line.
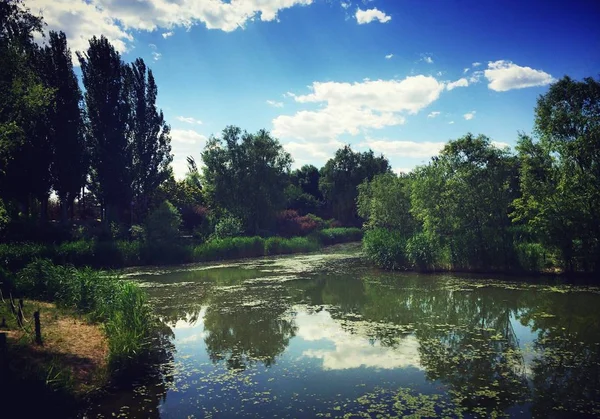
560,173
24,100
162,225
303,194
107,94
341,176
463,199
385,202
245,174
66,130
151,141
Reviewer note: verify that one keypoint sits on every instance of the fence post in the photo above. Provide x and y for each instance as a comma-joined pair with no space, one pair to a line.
38,328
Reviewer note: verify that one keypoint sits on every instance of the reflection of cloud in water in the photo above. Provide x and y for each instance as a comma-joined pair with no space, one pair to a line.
193,338
192,320
353,350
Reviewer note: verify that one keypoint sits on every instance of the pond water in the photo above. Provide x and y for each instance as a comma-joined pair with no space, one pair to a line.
325,335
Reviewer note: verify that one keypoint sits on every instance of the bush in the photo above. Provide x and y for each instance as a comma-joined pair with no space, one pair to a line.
531,256
162,225
228,226
421,252
290,224
336,235
386,249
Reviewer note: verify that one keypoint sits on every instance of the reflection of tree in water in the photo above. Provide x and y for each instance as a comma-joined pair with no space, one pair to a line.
466,337
248,324
566,373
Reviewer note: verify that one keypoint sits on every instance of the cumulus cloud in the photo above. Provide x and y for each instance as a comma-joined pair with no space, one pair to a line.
275,104
189,120
116,19
458,83
427,58
351,108
504,75
389,56
433,114
312,152
402,170
469,115
476,64
412,149
370,15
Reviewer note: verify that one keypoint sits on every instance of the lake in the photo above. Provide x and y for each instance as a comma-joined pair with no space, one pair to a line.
326,335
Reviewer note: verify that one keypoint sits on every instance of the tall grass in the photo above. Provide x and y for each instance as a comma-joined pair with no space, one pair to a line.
120,305
122,253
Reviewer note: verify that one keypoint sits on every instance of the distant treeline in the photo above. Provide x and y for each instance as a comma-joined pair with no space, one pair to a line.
478,207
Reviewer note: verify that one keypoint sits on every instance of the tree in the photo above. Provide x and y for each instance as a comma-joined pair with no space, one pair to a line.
246,174
162,225
384,202
151,141
341,176
560,173
66,131
303,194
24,99
108,118
463,199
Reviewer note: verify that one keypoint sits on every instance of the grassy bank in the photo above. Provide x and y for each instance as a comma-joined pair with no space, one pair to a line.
119,254
95,328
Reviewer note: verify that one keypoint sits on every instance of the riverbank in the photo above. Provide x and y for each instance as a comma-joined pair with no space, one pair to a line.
121,253
70,363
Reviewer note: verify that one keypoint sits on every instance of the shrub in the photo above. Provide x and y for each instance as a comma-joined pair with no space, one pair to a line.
162,224
336,235
531,256
228,226
386,249
290,224
421,252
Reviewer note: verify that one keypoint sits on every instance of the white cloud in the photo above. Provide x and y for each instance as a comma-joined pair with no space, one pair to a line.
412,149
153,46
504,75
368,16
275,104
116,19
389,56
451,122
476,64
156,55
187,136
500,144
433,114
427,58
476,77
351,108
466,70
312,152
458,83
189,120
469,115
345,5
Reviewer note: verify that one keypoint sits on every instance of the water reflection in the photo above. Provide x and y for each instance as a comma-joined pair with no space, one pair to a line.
332,336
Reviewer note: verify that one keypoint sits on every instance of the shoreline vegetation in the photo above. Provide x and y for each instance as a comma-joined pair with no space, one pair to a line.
96,328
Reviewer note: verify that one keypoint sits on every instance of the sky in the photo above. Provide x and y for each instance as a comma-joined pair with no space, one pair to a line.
400,77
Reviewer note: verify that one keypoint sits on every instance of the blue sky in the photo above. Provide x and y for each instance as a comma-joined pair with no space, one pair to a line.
399,76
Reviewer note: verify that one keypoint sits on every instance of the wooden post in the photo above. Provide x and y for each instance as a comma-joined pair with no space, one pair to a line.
38,328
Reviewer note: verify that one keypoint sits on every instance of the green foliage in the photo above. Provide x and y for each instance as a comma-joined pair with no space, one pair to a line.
462,199
384,202
341,176
162,225
229,248
560,173
386,249
228,226
533,257
423,252
329,236
281,246
246,175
